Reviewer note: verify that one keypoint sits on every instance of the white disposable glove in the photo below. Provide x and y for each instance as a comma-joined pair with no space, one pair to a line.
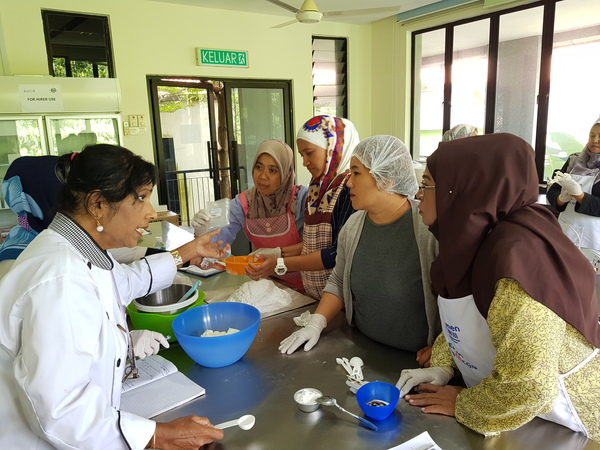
564,196
146,342
200,222
310,333
276,252
568,183
409,378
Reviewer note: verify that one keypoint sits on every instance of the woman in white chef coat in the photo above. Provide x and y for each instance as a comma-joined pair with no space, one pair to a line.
63,329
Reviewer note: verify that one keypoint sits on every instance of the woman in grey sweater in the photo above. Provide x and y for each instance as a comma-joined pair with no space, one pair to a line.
381,276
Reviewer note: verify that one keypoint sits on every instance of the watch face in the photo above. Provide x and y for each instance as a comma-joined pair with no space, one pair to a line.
280,268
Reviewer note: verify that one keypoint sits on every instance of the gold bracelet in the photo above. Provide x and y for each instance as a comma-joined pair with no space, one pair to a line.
177,257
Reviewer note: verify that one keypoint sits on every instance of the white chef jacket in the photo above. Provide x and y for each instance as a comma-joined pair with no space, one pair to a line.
62,356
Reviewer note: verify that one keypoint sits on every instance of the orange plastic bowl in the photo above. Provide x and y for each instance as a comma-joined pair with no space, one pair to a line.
235,265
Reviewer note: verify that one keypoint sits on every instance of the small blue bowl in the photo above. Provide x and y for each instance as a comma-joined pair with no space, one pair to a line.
378,390
217,351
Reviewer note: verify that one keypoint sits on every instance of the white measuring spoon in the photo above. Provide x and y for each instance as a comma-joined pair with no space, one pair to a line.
345,364
357,364
245,423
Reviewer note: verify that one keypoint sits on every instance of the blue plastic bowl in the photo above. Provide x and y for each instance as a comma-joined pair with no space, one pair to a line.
377,390
217,351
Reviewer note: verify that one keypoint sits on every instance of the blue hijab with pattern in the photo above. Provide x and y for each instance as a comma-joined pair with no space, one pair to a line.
30,189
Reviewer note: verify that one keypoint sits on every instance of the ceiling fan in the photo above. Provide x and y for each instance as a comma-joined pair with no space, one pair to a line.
309,13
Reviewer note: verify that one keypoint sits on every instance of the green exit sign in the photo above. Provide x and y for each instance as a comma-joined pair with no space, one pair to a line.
227,58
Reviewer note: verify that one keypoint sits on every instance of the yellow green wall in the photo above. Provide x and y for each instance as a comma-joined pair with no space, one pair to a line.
152,38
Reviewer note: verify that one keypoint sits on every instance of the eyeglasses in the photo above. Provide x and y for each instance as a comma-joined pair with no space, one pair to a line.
422,187
131,371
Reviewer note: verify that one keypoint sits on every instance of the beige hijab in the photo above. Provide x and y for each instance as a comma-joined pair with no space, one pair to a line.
265,206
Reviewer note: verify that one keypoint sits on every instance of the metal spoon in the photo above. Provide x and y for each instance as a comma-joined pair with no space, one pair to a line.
245,423
330,401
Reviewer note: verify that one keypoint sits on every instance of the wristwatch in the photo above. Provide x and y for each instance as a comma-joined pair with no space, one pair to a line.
280,268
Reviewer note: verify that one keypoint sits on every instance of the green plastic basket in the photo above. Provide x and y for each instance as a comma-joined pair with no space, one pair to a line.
158,322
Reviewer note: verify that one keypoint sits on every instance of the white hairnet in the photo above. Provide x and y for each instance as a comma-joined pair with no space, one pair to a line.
390,164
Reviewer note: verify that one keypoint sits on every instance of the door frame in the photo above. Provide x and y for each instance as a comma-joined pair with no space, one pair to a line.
286,87
206,82
155,80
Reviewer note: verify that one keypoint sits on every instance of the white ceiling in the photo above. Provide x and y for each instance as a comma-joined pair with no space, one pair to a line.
265,7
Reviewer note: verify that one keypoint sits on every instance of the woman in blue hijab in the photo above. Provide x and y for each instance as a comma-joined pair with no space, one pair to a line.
30,189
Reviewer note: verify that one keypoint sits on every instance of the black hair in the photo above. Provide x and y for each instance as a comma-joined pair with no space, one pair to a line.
114,172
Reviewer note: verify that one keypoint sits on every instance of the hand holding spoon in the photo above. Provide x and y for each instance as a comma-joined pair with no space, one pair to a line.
245,423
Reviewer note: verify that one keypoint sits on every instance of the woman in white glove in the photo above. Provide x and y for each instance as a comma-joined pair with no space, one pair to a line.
272,212
576,193
381,276
516,297
64,337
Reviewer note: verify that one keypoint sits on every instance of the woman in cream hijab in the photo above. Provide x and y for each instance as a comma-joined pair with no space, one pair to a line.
272,212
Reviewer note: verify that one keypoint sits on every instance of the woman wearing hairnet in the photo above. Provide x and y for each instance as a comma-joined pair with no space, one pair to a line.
515,296
462,130
381,276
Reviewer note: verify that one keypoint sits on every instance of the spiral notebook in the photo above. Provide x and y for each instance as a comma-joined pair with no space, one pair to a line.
159,388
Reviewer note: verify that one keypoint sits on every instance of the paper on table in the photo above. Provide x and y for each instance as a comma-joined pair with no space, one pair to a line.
149,369
195,270
421,442
159,388
298,300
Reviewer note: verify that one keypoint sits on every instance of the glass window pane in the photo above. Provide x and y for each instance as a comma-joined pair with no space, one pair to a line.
519,48
82,39
82,69
73,134
469,74
574,102
19,137
329,76
429,92
60,69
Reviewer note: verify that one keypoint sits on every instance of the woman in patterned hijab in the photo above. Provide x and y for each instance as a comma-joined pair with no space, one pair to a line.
30,189
326,144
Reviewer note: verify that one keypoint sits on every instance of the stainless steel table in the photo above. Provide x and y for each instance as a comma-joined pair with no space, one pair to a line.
264,381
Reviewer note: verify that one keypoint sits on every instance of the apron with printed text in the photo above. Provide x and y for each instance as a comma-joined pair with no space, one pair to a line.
583,230
470,343
272,232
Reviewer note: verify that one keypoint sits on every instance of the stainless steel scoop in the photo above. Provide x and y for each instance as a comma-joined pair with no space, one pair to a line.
330,401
